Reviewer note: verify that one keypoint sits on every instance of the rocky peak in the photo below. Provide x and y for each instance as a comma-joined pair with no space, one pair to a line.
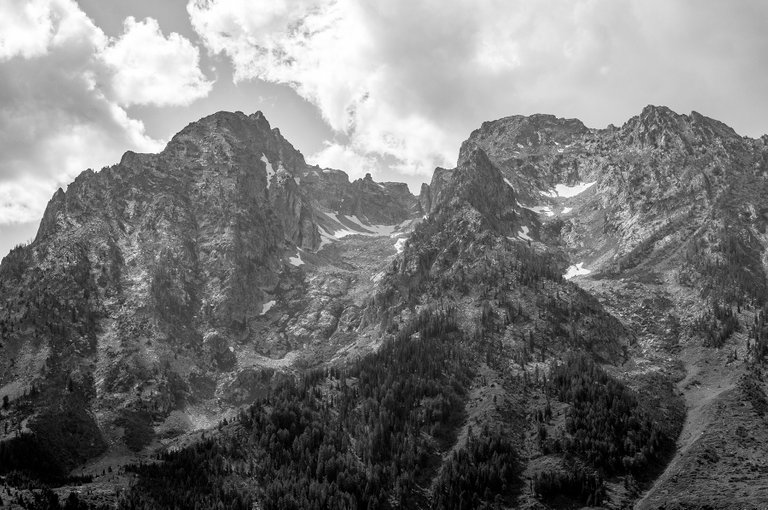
377,202
656,127
478,182
511,136
533,153
223,134
425,198
654,113
710,129
380,203
660,127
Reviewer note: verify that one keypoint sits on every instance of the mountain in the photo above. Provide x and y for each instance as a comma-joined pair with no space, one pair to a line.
663,222
570,316
160,290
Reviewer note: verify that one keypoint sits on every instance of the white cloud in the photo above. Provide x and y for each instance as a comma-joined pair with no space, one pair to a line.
20,200
25,29
59,111
412,79
342,157
152,69
328,51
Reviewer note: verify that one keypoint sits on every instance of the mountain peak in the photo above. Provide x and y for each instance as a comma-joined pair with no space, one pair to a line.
509,136
659,111
660,127
653,115
234,134
236,123
478,182
713,127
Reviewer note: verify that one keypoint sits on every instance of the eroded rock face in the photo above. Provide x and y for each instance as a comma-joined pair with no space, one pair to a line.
385,203
654,181
155,282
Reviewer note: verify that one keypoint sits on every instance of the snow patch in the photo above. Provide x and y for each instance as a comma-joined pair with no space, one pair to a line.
296,261
365,230
353,219
400,244
565,191
325,239
344,232
231,349
542,209
270,170
508,183
267,307
566,210
523,234
577,270
381,230
538,209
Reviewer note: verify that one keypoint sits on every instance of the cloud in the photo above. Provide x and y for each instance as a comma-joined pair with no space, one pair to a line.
411,80
25,30
59,110
342,157
152,69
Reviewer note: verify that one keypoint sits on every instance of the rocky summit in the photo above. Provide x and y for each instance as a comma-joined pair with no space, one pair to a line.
571,317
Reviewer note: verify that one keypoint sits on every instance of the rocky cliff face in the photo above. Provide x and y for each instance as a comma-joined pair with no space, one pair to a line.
652,183
161,287
662,219
670,226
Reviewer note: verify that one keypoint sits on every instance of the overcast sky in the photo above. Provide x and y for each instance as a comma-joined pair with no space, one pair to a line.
392,87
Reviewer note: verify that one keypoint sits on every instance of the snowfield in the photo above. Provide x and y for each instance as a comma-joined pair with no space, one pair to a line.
267,306
542,209
565,191
577,270
331,234
296,261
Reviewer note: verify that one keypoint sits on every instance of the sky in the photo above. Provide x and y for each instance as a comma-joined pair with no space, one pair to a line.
391,88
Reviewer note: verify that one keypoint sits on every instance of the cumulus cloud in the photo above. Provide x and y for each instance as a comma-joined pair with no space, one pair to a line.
152,69
410,80
342,157
25,29
59,110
